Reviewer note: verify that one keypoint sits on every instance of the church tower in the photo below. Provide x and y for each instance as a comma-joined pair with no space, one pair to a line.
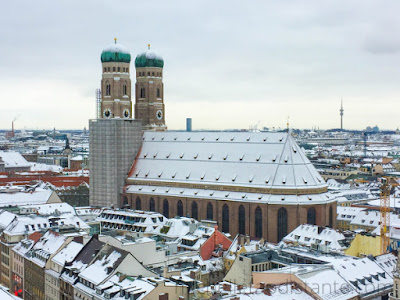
149,98
114,137
115,83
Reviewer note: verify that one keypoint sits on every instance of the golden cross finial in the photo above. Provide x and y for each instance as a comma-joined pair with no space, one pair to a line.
148,46
115,40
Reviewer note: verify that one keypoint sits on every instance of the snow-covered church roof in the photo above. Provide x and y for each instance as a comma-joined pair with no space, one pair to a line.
264,162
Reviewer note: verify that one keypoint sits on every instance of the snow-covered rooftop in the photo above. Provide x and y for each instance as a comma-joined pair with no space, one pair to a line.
114,47
265,160
68,253
309,235
19,195
13,159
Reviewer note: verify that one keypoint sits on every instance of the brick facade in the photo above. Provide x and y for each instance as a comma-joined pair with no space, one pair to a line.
296,214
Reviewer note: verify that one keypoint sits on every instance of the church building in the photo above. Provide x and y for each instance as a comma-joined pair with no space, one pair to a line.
255,183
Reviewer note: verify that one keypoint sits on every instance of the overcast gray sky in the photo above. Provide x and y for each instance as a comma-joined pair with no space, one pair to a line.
228,64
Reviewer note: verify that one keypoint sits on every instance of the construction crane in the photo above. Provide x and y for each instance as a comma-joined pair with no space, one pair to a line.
387,184
385,215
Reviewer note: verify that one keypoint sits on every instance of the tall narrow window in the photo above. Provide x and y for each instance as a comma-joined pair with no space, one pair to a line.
158,93
311,216
225,218
142,93
124,89
119,69
105,70
210,211
138,203
113,69
108,89
125,202
242,220
166,208
330,217
195,210
179,208
152,205
282,223
258,222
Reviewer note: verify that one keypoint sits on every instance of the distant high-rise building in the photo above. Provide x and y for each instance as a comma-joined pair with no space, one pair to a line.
149,99
114,138
188,124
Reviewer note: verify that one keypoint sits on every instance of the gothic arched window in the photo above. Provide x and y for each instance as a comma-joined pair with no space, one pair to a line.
138,203
210,211
330,217
125,201
152,205
282,223
225,218
142,92
258,222
195,210
311,216
158,93
179,208
166,208
242,220
124,89
108,89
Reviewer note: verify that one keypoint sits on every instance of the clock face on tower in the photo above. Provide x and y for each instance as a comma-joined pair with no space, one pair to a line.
126,113
107,113
159,114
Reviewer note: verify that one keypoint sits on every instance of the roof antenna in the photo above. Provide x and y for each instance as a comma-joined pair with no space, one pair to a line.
148,46
115,40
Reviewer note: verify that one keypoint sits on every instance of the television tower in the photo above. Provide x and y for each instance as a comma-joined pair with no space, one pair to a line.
341,115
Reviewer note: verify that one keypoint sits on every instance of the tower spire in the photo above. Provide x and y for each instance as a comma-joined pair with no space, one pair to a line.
148,46
115,40
341,114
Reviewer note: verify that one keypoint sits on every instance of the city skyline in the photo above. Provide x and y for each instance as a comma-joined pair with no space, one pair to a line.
242,65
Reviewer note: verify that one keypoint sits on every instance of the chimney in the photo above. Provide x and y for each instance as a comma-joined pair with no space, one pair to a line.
192,274
226,287
181,298
247,240
241,239
163,296
262,285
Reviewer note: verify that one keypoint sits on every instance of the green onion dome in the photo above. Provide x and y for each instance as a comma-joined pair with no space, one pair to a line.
115,53
149,59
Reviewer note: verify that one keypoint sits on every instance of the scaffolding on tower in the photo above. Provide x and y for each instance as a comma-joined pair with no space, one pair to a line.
98,103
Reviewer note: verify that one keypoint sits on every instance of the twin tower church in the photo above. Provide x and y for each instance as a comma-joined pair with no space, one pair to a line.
255,183
116,88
